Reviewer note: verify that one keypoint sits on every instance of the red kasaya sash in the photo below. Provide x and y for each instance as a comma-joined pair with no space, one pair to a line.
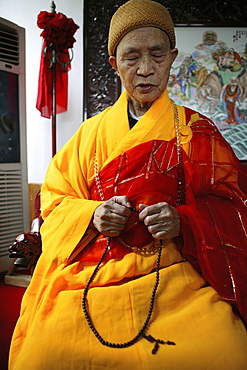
147,174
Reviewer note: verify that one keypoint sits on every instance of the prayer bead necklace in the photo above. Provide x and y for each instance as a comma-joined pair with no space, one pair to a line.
141,333
158,249
179,154
147,250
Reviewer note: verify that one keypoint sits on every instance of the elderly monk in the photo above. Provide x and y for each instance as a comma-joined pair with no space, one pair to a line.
144,261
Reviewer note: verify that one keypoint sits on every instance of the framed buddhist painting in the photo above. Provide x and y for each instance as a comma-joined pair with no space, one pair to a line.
210,76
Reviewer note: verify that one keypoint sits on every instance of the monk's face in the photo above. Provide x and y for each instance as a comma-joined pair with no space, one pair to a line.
143,61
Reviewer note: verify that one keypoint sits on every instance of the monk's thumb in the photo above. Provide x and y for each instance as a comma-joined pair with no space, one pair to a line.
142,206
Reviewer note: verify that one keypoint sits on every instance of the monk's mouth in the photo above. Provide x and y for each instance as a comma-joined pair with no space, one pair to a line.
145,87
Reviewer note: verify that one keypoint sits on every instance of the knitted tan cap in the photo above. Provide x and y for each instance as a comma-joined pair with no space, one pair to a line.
139,13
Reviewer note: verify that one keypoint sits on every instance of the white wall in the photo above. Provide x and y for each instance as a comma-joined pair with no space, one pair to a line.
39,148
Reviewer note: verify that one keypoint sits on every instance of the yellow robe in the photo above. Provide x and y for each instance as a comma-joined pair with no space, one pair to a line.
52,332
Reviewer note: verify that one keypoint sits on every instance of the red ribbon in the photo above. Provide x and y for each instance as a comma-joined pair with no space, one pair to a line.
58,32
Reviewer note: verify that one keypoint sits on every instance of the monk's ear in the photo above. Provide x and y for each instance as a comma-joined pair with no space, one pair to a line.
174,54
113,63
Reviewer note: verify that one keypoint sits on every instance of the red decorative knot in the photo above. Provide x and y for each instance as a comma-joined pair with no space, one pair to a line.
58,30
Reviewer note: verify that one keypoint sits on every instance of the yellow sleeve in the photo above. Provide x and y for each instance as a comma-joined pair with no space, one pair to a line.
65,204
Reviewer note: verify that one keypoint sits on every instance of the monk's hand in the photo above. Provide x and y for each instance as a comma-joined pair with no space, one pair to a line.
161,219
111,216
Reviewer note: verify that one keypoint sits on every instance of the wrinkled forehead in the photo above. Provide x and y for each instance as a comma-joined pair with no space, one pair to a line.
144,38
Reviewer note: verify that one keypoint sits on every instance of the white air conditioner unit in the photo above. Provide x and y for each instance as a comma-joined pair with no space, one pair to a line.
13,152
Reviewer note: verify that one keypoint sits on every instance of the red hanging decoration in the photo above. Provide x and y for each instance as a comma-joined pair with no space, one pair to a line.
58,37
